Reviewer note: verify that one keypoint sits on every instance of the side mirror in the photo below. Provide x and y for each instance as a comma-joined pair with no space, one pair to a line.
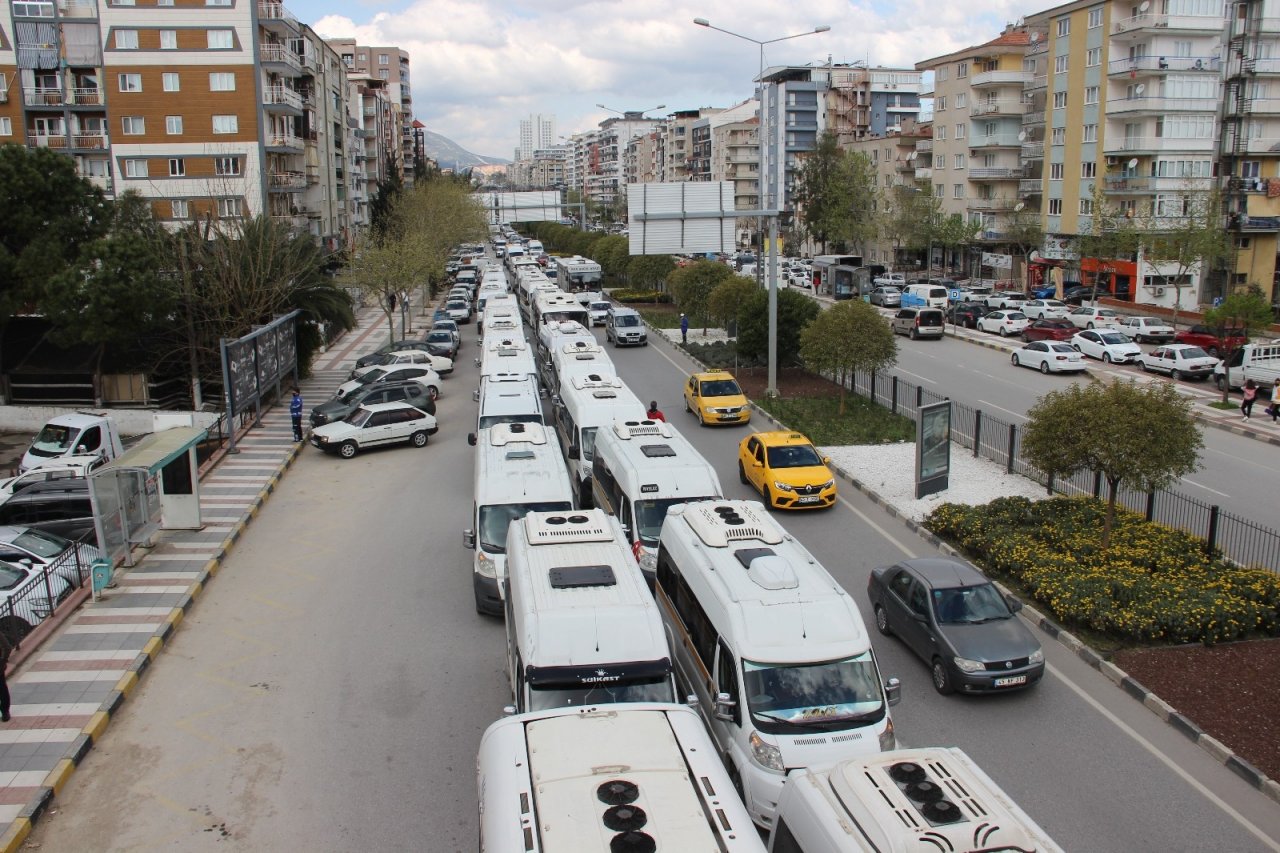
469,539
471,439
691,700
1014,604
893,691
826,460
477,365
724,707
508,710
475,395
574,453
756,463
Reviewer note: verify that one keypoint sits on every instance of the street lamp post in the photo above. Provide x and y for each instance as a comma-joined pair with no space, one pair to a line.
770,209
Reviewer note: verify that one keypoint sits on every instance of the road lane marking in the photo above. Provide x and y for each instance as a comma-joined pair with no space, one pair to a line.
876,527
1234,458
1003,409
918,376
1209,795
1203,486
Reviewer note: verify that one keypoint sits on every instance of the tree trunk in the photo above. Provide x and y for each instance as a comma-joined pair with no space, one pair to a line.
1113,489
842,396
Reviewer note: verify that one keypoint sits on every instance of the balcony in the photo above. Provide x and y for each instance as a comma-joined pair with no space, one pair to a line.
1157,144
42,96
1262,66
87,98
1030,186
1146,66
46,140
1040,81
102,182
1260,106
1261,145
1033,118
286,182
1032,150
995,140
278,99
990,204
924,174
1160,106
89,141
77,9
313,174
279,59
995,174
1005,107
904,165
1000,78
276,18
1146,24
297,223
284,143
924,146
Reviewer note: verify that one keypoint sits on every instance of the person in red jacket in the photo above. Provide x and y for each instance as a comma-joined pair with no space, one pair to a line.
654,413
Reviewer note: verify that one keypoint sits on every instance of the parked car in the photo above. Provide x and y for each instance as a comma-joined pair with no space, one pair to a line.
1085,293
395,373
1180,361
1092,318
1045,309
896,280
459,309
375,425
414,393
787,470
1209,339
966,314
919,323
1006,299
449,325
1049,357
439,363
61,468
1110,346
1151,329
375,357
27,546
955,620
1004,323
24,598
57,506
886,296
1049,330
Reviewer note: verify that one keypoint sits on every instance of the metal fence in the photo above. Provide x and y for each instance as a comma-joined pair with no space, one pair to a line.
47,586
1241,540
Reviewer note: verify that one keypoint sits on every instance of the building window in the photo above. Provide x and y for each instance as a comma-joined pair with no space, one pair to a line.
222,81
6,126
168,39
1095,18
1059,100
226,165
1086,207
1060,64
1092,57
939,161
1089,133
220,39
130,82
1089,169
959,161
1059,136
178,209
1064,27
217,2
957,190
171,81
226,124
126,39
229,208
939,190
384,59
123,2
135,168
940,132
384,73
962,100
1251,169
1055,171
363,57
962,69
1055,207
133,125
177,167
1091,94
164,2
173,125
939,103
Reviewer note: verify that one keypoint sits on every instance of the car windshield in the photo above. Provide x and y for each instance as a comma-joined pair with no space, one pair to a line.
41,544
599,306
1062,348
1016,315
969,605
812,694
358,417
651,513
720,388
1114,338
626,320
439,337
496,518
372,376
650,689
10,576
1147,321
1190,352
53,440
793,456
1106,312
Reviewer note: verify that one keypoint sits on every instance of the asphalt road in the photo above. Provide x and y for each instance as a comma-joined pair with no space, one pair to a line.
329,690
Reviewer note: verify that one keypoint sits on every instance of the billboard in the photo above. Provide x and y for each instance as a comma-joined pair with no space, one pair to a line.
933,448
681,217
259,360
538,206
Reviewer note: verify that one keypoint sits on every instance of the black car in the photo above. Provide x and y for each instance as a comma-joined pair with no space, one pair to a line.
967,314
396,346
444,339
339,407
1076,295
955,620
57,506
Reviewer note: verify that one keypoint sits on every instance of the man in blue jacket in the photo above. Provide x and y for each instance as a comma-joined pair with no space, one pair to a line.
295,413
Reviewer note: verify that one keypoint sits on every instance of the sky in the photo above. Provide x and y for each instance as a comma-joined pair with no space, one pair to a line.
479,66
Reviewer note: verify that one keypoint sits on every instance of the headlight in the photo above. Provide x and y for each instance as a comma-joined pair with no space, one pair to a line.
887,739
1036,657
967,665
766,754
783,487
323,439
648,562
828,484
486,566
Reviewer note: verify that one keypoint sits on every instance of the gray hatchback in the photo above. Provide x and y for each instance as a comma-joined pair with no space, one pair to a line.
955,619
919,322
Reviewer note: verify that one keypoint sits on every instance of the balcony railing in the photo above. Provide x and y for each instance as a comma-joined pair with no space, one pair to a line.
994,174
1008,107
924,174
77,9
42,96
287,180
1030,186
283,140
87,97
1033,117
90,141
281,96
279,54
990,203
276,12
1158,143
1162,105
994,141
46,140
998,78
924,145
1033,150
1040,81
1262,66
1164,63
1164,23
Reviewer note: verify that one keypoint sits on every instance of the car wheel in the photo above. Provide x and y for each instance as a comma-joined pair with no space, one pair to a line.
1106,358
1143,364
418,439
742,474
912,334
1044,368
768,497
433,392
1220,382
1001,332
1089,325
1212,351
941,680
348,449
1015,360
698,415
882,622
686,405
1175,375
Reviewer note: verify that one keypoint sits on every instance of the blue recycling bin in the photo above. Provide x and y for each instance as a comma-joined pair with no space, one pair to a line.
100,574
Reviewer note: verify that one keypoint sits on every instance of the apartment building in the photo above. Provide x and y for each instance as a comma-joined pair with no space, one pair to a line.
864,101
603,174
390,65
975,167
537,132
901,161
543,169
641,162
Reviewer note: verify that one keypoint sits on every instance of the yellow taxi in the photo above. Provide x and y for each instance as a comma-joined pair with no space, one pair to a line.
787,469
716,398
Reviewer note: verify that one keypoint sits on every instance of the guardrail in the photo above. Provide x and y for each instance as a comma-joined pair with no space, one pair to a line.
39,596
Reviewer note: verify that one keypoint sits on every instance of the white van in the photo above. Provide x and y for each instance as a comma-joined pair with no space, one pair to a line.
620,777
895,800
642,468
518,470
506,355
581,407
582,628
507,398
1259,362
576,358
773,649
556,306
924,296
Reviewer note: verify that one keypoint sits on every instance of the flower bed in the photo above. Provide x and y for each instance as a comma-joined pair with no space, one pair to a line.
1154,584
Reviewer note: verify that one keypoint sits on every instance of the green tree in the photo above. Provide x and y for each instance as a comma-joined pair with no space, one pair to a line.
846,338
956,234
823,191
727,297
1023,233
1194,241
645,272
1111,235
613,254
1238,315
691,288
385,193
866,203
795,311
912,222
1140,436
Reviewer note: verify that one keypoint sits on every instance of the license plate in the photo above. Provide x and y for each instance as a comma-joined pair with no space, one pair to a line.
728,417
1010,681
812,499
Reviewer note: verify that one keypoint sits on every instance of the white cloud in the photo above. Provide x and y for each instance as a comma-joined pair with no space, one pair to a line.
478,67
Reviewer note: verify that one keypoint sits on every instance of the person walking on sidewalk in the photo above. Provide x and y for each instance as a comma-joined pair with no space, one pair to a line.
6,649
295,413
1250,394
684,328
1274,411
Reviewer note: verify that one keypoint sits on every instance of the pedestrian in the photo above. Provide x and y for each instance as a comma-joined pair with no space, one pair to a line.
1274,411
684,329
295,413
655,414
1250,394
6,648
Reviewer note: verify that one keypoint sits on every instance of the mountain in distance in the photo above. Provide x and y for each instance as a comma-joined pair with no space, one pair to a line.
451,155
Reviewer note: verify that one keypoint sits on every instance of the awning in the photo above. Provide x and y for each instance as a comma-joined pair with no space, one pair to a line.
158,449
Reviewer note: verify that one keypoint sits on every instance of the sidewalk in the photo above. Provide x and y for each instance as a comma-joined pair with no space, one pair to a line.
65,693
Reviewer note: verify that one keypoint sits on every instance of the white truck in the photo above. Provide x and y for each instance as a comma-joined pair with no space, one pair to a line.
1259,362
73,434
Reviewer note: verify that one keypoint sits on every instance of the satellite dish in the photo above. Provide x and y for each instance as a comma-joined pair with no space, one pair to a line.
1035,255
1035,37
1146,4
1022,136
1140,88
1133,164
1017,207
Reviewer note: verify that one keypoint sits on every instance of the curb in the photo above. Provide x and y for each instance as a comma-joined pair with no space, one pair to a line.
56,779
1211,745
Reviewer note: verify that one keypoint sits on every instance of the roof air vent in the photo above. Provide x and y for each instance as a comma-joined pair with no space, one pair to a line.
625,818
907,771
923,792
718,524
632,842
941,811
617,792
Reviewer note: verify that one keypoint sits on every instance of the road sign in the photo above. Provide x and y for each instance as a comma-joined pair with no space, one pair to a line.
954,293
